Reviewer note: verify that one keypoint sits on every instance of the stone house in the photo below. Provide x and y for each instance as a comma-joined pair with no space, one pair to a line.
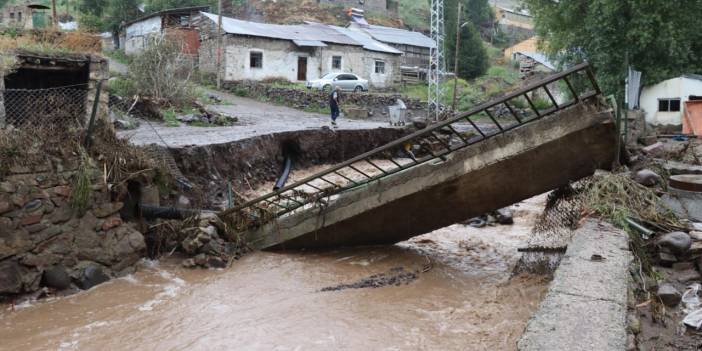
52,89
415,46
178,23
29,15
260,51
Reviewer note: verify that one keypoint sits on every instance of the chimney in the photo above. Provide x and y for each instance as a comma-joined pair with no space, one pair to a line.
357,16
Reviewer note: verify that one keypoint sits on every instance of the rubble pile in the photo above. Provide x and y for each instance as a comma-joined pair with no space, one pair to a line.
206,240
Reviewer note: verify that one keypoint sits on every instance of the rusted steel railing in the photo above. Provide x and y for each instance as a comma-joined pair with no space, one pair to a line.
437,141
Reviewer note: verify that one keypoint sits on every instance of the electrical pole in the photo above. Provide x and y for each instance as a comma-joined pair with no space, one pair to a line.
436,58
219,46
455,56
54,19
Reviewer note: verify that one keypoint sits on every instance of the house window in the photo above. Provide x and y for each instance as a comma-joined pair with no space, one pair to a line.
380,67
336,62
19,16
256,59
669,105
12,15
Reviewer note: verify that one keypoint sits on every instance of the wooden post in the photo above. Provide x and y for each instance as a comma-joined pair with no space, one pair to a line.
219,47
54,19
455,57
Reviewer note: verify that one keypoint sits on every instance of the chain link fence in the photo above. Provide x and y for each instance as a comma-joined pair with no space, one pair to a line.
64,107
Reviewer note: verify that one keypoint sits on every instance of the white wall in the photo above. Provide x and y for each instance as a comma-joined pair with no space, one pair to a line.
680,88
279,61
138,34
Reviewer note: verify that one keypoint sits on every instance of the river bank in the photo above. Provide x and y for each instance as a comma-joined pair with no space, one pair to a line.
462,299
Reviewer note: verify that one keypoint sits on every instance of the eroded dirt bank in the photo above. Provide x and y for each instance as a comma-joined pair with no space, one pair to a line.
250,162
462,298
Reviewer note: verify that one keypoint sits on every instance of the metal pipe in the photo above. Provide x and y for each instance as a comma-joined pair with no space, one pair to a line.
152,212
287,166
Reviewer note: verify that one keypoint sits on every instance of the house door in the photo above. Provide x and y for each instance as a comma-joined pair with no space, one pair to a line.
302,68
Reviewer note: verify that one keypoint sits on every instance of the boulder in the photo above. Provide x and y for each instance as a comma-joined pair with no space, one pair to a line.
56,277
91,276
505,216
10,277
669,295
647,177
677,242
107,209
654,150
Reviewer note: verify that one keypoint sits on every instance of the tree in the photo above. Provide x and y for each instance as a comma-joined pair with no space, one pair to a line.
659,38
473,58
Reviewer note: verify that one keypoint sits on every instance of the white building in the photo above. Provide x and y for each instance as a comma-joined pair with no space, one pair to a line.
139,33
664,102
261,51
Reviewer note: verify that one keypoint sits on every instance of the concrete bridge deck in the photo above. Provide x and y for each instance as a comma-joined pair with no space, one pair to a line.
467,176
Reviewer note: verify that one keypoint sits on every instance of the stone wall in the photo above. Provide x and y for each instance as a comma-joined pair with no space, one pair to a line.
44,242
377,104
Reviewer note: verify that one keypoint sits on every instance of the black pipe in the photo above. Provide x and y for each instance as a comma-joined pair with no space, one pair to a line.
152,212
287,166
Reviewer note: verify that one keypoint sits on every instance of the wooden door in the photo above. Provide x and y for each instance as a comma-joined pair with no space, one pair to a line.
302,68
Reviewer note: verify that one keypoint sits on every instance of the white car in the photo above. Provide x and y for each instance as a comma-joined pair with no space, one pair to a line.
346,81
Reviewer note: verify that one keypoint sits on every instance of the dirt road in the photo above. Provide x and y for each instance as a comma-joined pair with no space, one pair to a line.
255,118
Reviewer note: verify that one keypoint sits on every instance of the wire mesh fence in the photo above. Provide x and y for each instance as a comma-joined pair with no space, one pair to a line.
61,106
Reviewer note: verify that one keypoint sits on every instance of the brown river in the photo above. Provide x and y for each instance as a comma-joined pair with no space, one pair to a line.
455,292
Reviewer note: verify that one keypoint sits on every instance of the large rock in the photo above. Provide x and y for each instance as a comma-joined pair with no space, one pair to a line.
677,242
10,277
56,277
91,275
13,243
669,295
647,177
107,209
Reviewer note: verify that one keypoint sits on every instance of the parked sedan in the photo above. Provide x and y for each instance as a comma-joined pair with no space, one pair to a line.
346,81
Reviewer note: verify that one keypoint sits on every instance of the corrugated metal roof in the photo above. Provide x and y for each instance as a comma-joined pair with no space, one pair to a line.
280,31
538,57
183,10
368,42
398,36
693,76
302,43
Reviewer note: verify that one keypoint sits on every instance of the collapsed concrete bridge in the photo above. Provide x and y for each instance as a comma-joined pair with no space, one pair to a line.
445,173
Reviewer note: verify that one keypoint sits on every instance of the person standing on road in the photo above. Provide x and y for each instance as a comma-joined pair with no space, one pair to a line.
334,100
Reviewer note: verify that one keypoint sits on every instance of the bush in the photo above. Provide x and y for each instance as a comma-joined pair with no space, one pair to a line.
162,72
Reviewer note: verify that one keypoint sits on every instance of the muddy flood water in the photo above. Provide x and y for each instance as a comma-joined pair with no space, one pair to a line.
447,290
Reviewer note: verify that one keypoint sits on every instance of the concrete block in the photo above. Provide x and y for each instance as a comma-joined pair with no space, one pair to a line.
585,308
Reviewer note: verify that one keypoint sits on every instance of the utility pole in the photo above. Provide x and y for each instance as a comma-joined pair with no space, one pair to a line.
219,46
436,59
54,19
455,56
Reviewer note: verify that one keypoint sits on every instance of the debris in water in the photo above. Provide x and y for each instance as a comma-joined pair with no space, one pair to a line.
396,276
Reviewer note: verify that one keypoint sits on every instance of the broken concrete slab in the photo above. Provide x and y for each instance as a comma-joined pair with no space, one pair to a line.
585,308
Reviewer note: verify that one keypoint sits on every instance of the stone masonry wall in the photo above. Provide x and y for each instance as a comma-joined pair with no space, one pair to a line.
44,242
302,99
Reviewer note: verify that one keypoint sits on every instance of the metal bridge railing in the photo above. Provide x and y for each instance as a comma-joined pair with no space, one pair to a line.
485,121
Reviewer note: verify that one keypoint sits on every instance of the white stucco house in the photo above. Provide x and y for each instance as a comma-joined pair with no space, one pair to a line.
255,51
664,102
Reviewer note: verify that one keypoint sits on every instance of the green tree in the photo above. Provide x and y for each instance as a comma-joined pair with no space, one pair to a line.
659,38
473,59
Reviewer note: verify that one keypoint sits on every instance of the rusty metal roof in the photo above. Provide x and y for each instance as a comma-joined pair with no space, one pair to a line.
308,34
